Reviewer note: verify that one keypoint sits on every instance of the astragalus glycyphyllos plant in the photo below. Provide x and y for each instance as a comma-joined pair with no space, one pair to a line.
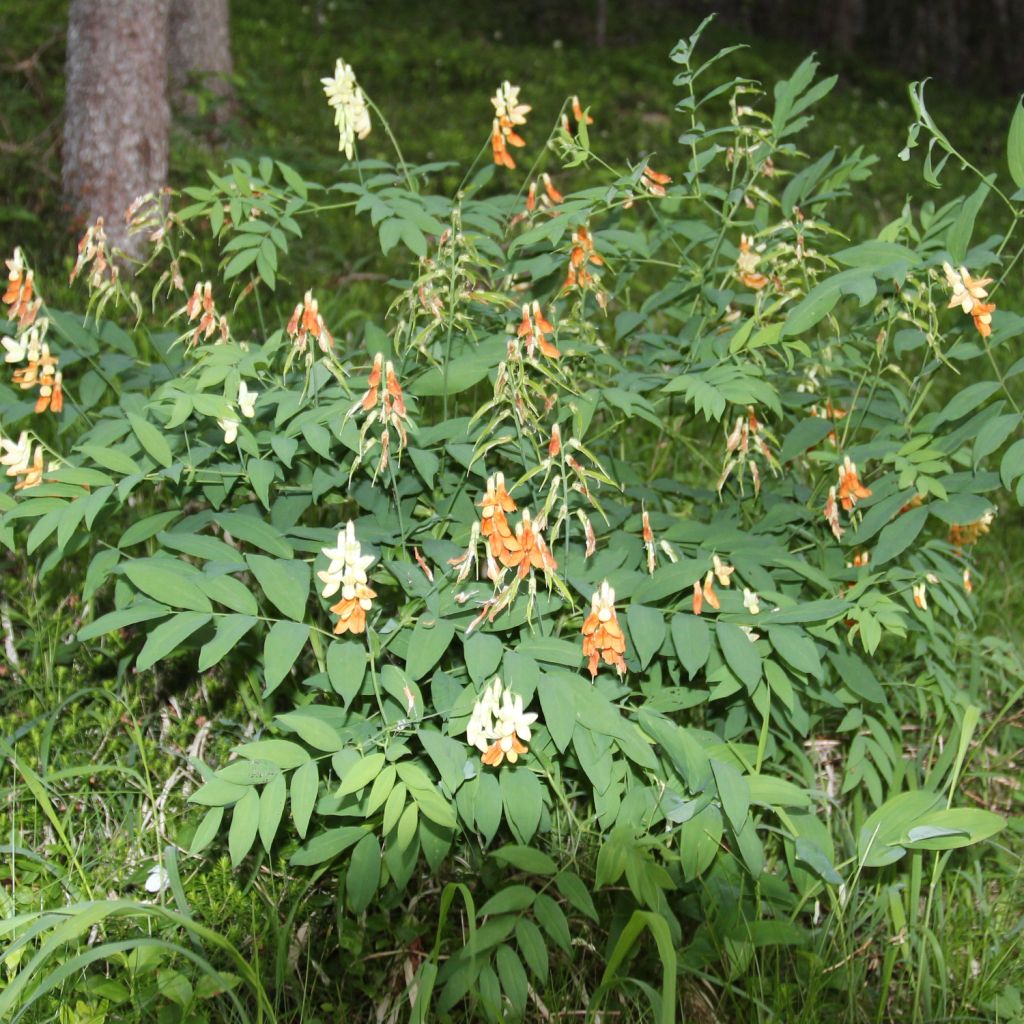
618,557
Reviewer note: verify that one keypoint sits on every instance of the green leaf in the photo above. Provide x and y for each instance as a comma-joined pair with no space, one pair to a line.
230,629
967,400
429,641
806,434
954,827
991,436
363,873
168,581
272,801
310,724
740,654
151,439
899,535
146,528
328,844
283,753
646,630
526,858
168,636
878,843
1015,146
691,638
286,583
448,755
733,793
305,784
958,239
513,979
523,797
531,945
282,646
361,774
1012,464
482,652
245,819
797,648
254,531
111,458
207,830
559,707
511,899
143,611
228,591
346,668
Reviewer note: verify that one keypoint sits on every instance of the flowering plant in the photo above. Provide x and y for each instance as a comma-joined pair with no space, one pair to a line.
585,361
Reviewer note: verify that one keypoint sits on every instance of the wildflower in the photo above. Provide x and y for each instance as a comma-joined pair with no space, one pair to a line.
654,182
499,725
351,112
552,193
705,592
306,320
534,331
602,634
157,880
51,393
247,400
850,488
831,514
968,294
16,454
16,348
201,304
581,257
751,602
746,265
369,399
494,527
648,536
750,634
722,570
965,534
588,533
230,428
424,568
347,573
29,468
670,553
509,114
577,112
18,296
526,549
920,596
860,559
41,365
555,443
968,585
466,560
92,248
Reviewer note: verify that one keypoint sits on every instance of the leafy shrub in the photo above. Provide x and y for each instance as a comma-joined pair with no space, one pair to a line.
642,427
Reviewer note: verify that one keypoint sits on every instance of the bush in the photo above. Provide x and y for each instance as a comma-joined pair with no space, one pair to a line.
606,580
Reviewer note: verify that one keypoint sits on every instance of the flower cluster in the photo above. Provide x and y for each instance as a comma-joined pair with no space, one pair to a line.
28,346
306,320
654,182
509,113
962,535
746,265
704,592
747,439
968,294
20,461
18,296
392,413
523,550
247,407
850,491
92,248
602,634
533,331
582,257
499,725
202,307
578,114
351,112
347,573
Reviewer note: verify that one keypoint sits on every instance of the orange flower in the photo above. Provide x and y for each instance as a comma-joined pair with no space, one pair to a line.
968,585
654,182
920,592
30,472
602,634
577,112
510,112
581,256
705,592
831,514
526,549
746,266
51,393
648,536
555,444
553,194
722,570
968,294
534,331
306,320
851,490
18,296
494,527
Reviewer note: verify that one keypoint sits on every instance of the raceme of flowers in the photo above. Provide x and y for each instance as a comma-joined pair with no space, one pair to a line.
347,574
92,248
968,294
306,320
747,262
509,114
602,634
29,346
499,725
850,491
22,461
392,414
582,257
747,441
522,550
351,112
533,331
202,307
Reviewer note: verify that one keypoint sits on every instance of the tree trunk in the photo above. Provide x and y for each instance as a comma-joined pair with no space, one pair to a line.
116,117
199,53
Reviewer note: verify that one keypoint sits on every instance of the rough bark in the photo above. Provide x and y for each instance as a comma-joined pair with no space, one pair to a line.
116,116
199,53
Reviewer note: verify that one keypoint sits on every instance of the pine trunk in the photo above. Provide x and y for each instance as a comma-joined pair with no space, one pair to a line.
199,54
116,117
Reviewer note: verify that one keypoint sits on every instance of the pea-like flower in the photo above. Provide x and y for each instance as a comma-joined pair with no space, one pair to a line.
347,573
500,725
351,112
602,634
247,400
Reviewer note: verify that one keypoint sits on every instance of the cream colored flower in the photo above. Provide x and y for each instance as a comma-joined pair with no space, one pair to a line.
247,400
16,454
499,725
751,602
230,428
351,113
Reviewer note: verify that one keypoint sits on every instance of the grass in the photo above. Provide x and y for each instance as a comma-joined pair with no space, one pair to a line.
97,763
